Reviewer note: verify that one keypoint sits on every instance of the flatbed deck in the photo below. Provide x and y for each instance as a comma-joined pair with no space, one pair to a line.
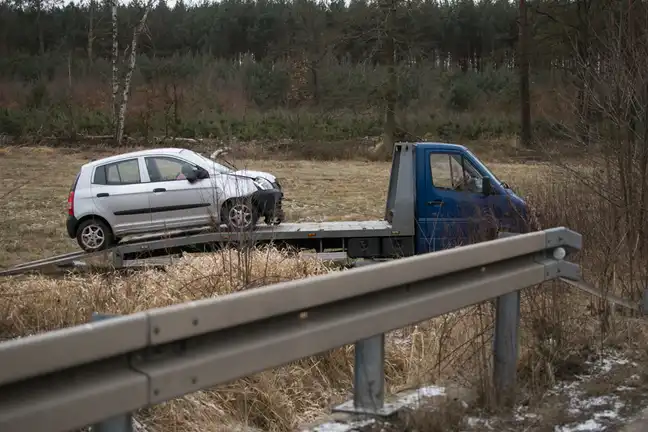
263,233
318,236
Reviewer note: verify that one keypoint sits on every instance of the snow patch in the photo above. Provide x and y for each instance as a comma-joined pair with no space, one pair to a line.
343,427
414,397
479,422
588,426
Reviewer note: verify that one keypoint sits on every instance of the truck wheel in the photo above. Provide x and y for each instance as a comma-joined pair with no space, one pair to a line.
94,235
240,215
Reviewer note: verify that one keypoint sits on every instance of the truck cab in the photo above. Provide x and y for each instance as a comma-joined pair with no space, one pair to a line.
449,196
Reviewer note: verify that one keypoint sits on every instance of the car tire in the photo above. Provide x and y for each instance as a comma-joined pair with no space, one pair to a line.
240,215
94,235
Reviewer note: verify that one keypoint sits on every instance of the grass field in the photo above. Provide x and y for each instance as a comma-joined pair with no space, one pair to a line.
452,349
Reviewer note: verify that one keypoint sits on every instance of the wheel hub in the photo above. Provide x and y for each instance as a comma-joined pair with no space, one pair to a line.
240,215
93,236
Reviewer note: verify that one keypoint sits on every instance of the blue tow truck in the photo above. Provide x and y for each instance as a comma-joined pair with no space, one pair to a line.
439,196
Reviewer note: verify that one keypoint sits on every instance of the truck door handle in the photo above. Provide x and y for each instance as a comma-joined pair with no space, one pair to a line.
159,190
103,194
435,203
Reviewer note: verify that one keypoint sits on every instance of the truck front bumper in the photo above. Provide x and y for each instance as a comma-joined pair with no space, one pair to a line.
269,205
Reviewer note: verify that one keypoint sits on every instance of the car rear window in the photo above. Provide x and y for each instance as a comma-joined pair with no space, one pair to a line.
100,176
118,173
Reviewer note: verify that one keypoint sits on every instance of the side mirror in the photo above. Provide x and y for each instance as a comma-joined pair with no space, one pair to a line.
202,173
189,173
487,186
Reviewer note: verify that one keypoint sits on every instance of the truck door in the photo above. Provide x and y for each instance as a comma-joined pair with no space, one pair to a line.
450,204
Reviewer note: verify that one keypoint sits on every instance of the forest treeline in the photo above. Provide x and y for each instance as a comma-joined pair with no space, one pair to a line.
450,33
302,68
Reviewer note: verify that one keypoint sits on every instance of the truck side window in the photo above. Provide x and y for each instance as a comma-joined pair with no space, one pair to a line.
455,173
446,172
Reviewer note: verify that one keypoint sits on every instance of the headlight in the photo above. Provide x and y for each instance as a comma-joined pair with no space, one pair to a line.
262,183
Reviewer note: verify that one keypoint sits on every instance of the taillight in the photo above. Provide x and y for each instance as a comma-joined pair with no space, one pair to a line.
71,203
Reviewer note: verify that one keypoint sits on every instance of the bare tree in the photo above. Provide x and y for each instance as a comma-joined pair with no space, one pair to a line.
616,89
91,34
525,96
121,103
391,90
115,66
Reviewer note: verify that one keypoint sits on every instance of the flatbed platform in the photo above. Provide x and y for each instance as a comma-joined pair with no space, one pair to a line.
136,249
263,233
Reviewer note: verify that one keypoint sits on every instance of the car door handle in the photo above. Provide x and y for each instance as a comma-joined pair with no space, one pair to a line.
103,194
159,190
435,203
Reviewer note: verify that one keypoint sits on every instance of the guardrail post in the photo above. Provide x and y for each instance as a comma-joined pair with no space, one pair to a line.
122,423
368,375
505,352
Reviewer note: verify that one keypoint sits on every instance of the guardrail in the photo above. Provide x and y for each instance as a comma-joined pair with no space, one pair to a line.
73,377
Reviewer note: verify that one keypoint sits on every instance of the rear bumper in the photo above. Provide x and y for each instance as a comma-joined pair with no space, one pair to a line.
269,204
71,225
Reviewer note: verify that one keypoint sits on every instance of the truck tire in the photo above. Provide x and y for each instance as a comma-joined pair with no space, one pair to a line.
94,235
240,215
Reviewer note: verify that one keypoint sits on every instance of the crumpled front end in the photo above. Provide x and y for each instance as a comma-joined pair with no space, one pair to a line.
269,205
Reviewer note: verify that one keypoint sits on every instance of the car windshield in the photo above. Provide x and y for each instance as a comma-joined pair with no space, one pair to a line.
218,167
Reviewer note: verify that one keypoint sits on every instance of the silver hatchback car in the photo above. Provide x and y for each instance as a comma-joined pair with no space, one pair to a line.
162,189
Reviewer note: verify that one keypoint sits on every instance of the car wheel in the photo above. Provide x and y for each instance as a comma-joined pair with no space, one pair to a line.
94,235
240,215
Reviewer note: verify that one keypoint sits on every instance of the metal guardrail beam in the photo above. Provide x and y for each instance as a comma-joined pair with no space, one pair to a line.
65,379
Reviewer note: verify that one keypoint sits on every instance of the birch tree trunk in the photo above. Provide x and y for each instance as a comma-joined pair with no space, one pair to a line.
115,70
129,75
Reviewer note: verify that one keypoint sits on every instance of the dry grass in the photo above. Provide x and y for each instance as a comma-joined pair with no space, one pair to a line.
456,347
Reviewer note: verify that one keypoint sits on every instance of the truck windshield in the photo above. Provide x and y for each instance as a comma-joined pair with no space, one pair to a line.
483,168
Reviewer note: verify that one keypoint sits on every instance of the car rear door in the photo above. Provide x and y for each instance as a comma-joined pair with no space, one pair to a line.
120,195
174,201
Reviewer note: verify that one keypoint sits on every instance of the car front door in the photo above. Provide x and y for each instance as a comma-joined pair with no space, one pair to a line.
120,196
450,204
175,202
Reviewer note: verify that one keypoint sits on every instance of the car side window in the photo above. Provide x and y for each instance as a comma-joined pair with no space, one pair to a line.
118,173
455,173
163,168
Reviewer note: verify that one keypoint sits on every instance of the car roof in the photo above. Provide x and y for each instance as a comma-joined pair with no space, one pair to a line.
134,154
